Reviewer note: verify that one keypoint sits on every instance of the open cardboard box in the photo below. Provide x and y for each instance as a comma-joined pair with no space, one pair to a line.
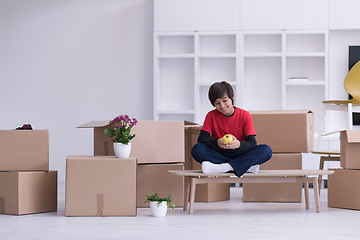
155,141
22,150
285,131
27,192
350,149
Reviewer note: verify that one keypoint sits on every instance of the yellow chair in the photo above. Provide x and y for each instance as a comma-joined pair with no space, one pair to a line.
352,86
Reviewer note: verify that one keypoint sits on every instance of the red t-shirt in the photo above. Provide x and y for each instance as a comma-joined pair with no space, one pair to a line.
240,124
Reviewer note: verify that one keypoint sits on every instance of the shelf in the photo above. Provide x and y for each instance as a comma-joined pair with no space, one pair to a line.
176,56
257,55
305,54
219,55
217,69
217,43
305,42
176,44
305,83
262,43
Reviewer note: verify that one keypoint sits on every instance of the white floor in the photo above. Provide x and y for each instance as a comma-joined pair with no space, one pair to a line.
231,219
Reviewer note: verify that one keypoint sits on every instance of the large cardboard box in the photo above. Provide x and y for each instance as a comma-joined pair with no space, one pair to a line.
155,141
100,186
154,178
22,150
350,149
210,192
285,131
276,192
26,192
343,189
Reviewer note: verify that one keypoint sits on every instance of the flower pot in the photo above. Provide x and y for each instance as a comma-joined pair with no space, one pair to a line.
122,150
158,209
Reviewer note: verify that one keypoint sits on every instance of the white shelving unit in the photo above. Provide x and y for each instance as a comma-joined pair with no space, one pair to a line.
185,65
269,70
285,70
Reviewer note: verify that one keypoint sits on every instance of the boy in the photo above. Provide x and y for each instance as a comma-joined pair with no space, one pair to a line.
242,154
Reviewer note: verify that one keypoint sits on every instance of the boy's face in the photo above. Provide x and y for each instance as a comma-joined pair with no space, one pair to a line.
224,105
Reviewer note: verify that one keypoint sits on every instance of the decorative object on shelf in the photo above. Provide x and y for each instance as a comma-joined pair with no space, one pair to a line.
119,132
158,205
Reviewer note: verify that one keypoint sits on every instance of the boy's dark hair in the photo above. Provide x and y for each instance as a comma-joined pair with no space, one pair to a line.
218,90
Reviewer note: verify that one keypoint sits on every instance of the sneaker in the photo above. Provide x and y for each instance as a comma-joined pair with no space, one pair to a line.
253,169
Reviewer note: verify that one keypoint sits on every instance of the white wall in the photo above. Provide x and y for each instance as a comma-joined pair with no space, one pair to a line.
66,62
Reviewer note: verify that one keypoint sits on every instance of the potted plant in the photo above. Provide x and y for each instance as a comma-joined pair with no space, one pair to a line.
119,132
158,205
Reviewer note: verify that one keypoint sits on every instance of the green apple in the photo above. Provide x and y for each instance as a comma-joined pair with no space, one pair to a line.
227,139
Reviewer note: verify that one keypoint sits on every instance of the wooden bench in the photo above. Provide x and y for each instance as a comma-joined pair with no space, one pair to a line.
194,177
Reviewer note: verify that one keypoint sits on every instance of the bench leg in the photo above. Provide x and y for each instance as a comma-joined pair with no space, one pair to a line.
192,195
306,191
186,193
316,194
321,167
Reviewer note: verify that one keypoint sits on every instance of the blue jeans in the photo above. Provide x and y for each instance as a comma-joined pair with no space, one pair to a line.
240,162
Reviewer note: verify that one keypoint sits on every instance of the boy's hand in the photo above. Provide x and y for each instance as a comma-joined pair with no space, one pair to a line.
232,145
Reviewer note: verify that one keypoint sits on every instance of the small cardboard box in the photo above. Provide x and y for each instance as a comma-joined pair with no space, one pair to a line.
100,186
285,131
350,149
22,150
210,192
27,192
154,178
155,141
343,189
276,192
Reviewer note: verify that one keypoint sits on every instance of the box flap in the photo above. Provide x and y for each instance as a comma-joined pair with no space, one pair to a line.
281,112
353,136
94,124
189,123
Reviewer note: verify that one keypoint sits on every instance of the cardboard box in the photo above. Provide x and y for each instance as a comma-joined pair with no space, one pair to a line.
350,149
276,192
210,192
100,186
154,178
23,150
343,189
191,138
149,144
26,192
285,131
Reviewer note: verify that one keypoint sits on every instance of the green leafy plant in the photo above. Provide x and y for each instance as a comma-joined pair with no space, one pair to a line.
156,198
120,128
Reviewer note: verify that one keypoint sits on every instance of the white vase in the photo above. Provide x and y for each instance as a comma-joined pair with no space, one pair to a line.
158,210
122,150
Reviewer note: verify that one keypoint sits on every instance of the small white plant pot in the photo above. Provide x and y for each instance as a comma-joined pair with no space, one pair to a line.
122,150
158,210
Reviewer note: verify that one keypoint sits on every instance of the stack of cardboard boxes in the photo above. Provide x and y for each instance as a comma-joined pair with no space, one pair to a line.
26,184
159,146
288,133
343,190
